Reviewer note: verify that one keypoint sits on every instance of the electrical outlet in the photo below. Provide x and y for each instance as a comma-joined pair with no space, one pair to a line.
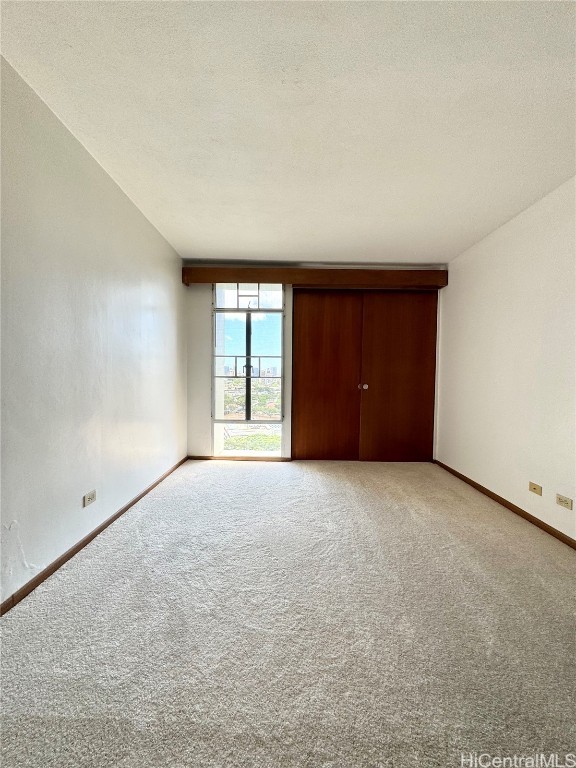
90,498
535,488
564,501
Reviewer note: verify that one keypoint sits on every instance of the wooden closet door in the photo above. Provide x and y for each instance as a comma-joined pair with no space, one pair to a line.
327,346
398,365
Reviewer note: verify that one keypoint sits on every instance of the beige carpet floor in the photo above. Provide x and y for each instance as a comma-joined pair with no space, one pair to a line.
282,615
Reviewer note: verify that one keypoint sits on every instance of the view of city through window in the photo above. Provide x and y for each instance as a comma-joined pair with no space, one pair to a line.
248,369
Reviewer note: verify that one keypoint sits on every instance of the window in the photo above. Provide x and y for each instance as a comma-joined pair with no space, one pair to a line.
248,369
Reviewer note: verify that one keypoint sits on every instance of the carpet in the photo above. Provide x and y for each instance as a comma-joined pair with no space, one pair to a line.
291,615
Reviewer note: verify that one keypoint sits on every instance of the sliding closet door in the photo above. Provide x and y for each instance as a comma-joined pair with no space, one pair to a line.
398,367
327,344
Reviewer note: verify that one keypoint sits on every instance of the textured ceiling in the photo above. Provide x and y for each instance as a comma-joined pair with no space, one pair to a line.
308,131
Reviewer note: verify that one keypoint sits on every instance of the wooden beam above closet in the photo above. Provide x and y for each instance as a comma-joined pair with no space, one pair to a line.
319,277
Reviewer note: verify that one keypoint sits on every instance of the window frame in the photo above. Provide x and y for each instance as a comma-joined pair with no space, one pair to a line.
248,311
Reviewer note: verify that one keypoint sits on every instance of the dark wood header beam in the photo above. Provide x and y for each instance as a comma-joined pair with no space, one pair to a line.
311,277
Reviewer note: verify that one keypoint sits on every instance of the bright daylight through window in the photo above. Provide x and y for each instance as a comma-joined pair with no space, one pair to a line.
248,369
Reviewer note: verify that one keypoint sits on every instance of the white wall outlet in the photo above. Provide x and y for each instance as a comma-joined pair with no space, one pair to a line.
89,498
564,501
535,488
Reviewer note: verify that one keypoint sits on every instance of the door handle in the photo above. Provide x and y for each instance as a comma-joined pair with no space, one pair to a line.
362,386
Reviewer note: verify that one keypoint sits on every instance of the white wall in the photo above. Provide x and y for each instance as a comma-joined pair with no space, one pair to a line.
93,353
199,331
507,364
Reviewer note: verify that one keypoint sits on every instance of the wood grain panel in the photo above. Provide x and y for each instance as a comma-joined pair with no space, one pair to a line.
398,365
390,279
327,345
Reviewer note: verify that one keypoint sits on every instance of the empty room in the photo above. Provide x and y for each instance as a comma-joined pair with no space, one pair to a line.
288,384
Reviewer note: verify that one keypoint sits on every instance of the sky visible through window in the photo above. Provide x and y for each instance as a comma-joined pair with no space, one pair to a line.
266,333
